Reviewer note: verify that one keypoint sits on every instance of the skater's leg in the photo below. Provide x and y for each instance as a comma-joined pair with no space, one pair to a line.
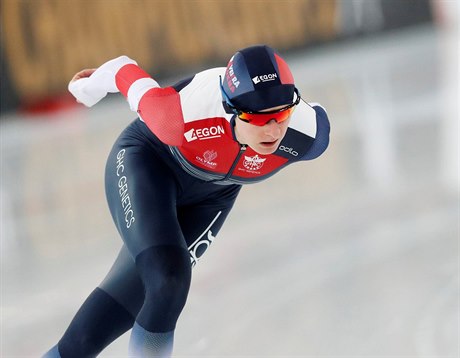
142,194
146,200
106,314
166,273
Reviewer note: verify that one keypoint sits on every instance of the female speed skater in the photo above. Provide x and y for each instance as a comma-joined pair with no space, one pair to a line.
172,178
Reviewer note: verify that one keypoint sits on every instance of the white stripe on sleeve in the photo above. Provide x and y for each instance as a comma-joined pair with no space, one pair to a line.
138,89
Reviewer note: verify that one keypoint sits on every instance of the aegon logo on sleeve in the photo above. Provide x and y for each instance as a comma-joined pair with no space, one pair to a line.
204,133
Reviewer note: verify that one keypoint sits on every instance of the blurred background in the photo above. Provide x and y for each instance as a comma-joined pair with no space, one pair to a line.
355,254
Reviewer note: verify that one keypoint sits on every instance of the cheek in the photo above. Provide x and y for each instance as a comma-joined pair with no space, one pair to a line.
242,133
285,127
256,133
249,132
285,130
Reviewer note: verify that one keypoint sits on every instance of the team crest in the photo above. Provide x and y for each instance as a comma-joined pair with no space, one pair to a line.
253,163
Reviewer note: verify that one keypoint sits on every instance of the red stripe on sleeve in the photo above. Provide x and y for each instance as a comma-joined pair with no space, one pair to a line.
161,111
127,75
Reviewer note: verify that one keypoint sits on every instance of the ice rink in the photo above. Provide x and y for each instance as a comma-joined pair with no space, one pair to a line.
355,254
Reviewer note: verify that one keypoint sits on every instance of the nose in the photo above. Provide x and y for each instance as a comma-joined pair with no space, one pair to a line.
272,129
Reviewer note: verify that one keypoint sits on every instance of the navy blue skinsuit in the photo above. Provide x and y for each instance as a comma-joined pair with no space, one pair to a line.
167,217
144,184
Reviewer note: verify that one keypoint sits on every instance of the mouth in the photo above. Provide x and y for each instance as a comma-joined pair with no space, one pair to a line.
269,144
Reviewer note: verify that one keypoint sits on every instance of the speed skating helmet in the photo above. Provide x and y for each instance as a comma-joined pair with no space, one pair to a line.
257,78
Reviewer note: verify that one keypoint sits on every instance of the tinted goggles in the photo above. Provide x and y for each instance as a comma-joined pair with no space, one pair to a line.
262,118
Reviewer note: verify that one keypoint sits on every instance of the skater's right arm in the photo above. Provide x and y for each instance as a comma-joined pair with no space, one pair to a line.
158,107
89,86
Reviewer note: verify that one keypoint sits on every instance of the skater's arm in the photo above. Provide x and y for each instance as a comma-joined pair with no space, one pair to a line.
89,86
158,107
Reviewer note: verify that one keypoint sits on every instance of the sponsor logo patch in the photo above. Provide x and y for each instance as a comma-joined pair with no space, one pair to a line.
200,245
232,80
265,78
289,150
204,133
123,190
207,158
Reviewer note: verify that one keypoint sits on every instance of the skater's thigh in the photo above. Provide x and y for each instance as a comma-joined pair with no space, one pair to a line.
141,192
200,223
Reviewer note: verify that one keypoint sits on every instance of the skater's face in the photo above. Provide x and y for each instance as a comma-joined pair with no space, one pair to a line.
262,130
263,139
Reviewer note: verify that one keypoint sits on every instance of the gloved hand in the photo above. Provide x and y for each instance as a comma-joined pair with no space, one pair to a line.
89,86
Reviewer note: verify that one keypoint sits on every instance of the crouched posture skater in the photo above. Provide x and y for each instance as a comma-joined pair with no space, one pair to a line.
172,178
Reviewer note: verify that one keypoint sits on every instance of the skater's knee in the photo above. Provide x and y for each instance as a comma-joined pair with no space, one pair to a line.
165,270
166,275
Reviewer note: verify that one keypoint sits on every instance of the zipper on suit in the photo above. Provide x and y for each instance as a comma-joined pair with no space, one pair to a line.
235,162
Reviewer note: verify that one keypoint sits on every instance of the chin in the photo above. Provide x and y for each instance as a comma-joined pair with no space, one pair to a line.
265,151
